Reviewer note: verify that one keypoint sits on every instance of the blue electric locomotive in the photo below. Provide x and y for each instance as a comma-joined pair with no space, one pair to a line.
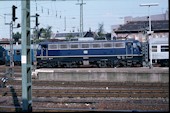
2,55
97,53
17,51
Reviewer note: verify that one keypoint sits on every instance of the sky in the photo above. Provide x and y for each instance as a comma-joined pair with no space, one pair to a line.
61,14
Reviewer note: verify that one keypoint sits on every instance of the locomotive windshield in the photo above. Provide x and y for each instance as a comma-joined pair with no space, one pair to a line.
39,47
139,44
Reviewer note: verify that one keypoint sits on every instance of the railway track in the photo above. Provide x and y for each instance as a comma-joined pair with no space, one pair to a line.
91,89
94,93
93,84
88,96
4,69
50,96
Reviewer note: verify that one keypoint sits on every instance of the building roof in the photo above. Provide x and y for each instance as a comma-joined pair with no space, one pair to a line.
137,26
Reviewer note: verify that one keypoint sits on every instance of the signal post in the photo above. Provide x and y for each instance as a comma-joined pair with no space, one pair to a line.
26,57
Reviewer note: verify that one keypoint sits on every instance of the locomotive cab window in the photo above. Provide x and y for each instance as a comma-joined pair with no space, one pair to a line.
39,47
134,45
138,44
44,47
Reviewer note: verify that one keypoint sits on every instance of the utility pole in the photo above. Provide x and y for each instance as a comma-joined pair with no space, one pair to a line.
149,33
65,23
26,57
81,17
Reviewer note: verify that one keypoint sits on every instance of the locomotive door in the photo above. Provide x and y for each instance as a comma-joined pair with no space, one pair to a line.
129,49
44,50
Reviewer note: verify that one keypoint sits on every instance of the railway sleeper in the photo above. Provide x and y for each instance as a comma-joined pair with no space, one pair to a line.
164,95
145,91
90,95
114,91
71,91
81,91
134,95
113,95
146,95
124,95
78,95
104,91
93,91
158,91
101,95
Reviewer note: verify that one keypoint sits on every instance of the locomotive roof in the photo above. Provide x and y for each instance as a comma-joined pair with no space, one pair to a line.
95,41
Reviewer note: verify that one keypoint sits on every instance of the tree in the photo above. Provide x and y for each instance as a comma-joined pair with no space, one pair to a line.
101,30
43,32
16,36
69,36
46,33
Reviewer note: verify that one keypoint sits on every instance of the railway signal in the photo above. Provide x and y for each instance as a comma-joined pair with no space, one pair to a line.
36,20
13,13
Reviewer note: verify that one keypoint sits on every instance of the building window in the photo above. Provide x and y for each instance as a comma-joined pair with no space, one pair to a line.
154,48
164,49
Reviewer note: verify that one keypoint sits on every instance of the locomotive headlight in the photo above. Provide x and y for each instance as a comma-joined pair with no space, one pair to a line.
85,51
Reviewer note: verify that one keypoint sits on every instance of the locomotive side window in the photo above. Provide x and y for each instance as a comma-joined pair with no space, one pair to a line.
96,45
74,46
107,45
119,45
154,48
63,46
164,48
85,45
52,47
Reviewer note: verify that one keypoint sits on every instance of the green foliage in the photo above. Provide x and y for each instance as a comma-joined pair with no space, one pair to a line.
16,36
101,30
43,32
69,36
